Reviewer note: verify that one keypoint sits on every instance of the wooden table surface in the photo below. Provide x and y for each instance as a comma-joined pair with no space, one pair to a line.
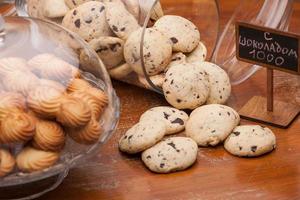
217,175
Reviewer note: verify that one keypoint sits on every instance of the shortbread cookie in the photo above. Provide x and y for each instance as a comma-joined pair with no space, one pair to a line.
12,64
17,127
157,80
101,97
78,84
184,34
220,87
177,58
49,136
120,72
45,101
186,86
175,119
170,155
88,134
142,136
31,160
91,101
10,100
109,49
210,125
52,84
197,55
157,50
73,112
54,8
250,141
121,22
21,82
7,162
48,66
88,20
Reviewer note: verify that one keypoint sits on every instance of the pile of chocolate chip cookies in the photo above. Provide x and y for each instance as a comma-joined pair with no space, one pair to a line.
208,125
43,102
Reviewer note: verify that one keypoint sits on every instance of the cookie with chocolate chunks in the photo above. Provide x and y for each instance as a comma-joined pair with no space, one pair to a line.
250,141
88,20
175,119
184,35
142,136
186,86
170,155
220,87
121,22
210,125
157,51
109,49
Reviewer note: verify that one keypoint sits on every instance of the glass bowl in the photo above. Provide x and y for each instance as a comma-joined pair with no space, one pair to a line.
26,38
204,14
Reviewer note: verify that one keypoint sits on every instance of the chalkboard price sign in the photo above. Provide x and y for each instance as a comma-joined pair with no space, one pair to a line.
268,47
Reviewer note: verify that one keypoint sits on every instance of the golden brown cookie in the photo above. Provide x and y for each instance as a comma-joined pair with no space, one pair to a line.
20,81
53,84
88,134
100,95
31,160
17,127
78,84
7,162
95,106
12,64
11,101
49,66
49,136
73,112
45,101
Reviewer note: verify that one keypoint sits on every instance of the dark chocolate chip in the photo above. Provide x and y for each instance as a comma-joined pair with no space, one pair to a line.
77,23
148,157
166,115
123,29
162,165
213,131
253,148
174,40
92,9
167,92
102,48
115,46
114,28
236,133
228,113
178,121
240,147
179,100
75,12
129,138
102,8
89,21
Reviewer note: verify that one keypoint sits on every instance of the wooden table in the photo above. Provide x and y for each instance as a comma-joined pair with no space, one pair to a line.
216,175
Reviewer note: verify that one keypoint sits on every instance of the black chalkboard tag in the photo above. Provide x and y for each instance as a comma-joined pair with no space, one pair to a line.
272,49
268,47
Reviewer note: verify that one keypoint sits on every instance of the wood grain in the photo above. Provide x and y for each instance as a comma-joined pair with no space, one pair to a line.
217,175
282,115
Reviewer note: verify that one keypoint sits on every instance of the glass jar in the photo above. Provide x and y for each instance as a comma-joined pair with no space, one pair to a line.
23,42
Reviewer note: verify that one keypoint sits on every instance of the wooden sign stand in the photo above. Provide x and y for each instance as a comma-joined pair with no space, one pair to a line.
268,110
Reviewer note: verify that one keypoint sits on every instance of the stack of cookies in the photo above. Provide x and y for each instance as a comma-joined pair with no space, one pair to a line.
208,125
43,101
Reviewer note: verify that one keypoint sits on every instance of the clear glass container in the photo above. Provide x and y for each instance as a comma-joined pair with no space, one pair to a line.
205,15
26,38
